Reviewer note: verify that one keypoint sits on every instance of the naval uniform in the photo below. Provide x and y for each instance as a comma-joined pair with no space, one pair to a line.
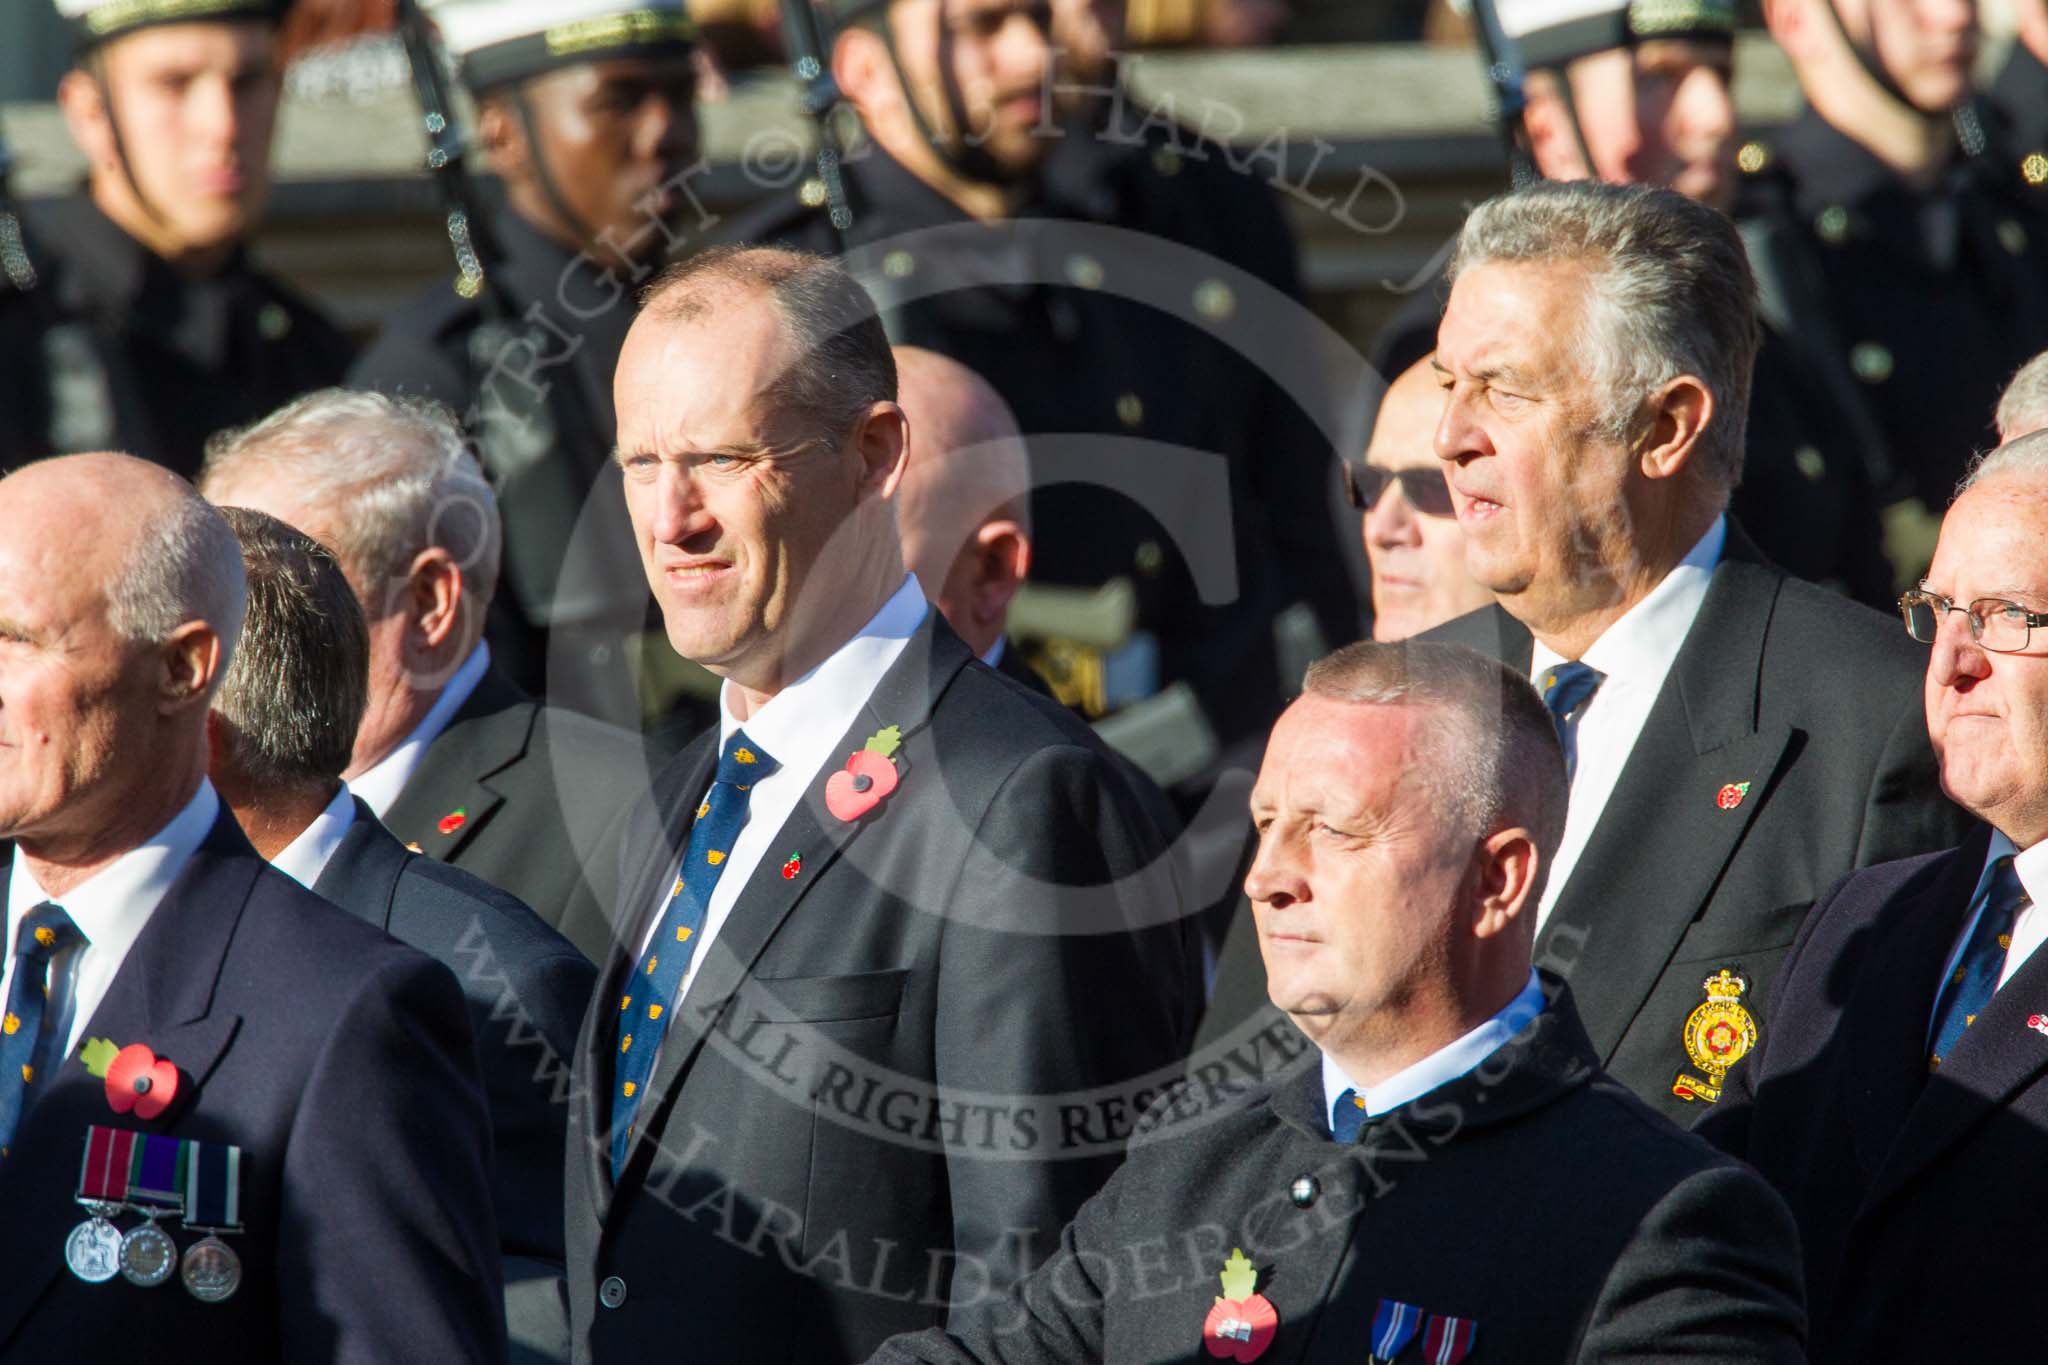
115,349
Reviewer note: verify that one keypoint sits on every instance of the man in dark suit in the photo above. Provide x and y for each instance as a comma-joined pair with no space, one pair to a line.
1384,1190
280,734
898,959
1739,739
165,984
1901,1103
456,761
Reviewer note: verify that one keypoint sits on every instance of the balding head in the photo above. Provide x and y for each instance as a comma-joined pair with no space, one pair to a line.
964,505
121,595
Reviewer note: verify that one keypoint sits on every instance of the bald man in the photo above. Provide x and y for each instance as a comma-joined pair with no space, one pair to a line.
312,1082
964,506
1412,539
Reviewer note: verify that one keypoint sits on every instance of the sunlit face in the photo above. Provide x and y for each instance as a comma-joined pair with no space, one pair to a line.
1659,113
1987,713
611,134
1413,544
735,505
195,105
1927,47
1357,883
75,698
1539,489
979,71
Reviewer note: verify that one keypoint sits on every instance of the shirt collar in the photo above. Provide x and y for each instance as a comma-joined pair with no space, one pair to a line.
1643,642
2031,866
1441,1067
380,784
799,725
111,907
304,858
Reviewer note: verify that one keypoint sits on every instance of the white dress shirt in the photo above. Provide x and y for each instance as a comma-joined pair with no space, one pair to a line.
110,909
1441,1067
380,784
305,858
800,727
2030,927
1635,654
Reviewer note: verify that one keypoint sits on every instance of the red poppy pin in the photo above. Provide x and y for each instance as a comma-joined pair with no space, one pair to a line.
870,775
136,1078
792,867
1730,796
1242,1323
453,820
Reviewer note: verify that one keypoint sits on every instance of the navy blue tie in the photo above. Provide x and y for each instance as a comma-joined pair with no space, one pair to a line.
1970,986
657,978
45,931
1349,1117
1567,688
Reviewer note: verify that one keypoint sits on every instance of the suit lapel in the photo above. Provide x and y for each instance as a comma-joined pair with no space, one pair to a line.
904,698
362,875
1893,1001
1641,882
2001,1053
162,996
489,732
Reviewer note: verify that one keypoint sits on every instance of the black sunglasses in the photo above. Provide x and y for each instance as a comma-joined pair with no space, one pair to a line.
1422,488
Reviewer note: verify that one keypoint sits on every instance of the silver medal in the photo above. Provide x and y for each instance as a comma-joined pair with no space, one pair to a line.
212,1271
148,1255
93,1251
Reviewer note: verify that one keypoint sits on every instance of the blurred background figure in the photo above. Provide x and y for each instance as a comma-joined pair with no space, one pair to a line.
1644,97
1897,236
590,139
964,506
132,317
1412,540
2023,407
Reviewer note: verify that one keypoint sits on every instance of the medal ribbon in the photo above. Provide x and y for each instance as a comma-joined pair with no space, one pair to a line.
156,1171
103,1176
213,1187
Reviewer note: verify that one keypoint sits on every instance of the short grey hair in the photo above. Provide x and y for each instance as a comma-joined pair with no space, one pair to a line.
394,472
2023,455
2023,407
295,694
1494,757
844,363
1672,294
184,566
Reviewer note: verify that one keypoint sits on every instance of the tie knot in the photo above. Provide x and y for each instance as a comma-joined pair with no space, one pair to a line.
1569,685
44,930
1348,1116
2006,894
744,762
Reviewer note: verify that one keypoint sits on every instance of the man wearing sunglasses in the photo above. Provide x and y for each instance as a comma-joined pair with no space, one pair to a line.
1411,534
1903,1093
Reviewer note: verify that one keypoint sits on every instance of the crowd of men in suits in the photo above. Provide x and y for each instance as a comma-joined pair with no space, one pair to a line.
1635,952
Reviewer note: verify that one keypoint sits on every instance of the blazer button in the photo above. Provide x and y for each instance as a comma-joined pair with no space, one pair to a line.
612,1292
1304,1191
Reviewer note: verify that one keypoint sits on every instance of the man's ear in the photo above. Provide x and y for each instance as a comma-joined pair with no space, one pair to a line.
434,599
187,664
882,440
1679,413
502,138
1551,143
1000,553
1508,861
87,117
863,72
1790,24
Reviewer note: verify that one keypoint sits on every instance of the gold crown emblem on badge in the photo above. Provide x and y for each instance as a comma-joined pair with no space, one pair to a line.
1718,1033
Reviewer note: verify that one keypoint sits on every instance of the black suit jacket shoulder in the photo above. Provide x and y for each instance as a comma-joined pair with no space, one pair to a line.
1451,1204
340,1061
1881,1160
1787,747
910,1052
520,793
